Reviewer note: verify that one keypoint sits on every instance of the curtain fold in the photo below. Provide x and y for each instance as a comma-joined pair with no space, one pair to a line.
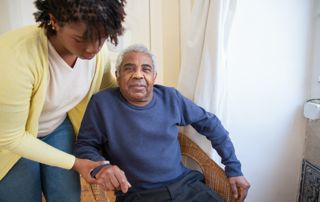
203,73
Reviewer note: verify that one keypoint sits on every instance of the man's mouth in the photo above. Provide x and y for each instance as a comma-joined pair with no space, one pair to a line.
138,87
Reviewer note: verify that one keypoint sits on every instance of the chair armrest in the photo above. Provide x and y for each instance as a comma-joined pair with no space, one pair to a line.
214,175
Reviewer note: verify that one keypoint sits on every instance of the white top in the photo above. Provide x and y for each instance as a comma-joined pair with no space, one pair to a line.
67,86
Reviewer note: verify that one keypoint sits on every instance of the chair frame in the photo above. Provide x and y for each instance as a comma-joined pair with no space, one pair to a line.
214,175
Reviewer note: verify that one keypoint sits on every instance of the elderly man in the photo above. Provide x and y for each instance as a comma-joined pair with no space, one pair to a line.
134,127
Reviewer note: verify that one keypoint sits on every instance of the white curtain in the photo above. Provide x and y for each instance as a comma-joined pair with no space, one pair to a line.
203,73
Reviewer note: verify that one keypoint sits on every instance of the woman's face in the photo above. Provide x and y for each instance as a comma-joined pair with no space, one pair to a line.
70,40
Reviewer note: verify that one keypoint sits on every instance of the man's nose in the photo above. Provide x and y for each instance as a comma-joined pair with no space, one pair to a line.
138,74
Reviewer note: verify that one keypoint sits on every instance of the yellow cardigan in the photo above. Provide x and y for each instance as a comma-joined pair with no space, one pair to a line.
23,85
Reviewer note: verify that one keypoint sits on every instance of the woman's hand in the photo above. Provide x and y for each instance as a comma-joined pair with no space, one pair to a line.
84,167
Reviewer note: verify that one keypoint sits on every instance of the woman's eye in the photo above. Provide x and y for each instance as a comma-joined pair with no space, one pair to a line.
78,40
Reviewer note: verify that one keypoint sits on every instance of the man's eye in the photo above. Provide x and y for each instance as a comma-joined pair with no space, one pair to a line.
128,68
146,69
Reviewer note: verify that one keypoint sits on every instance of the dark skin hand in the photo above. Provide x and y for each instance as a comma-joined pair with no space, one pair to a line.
239,187
113,178
84,167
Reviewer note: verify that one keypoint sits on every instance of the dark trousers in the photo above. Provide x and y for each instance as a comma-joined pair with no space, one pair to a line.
190,188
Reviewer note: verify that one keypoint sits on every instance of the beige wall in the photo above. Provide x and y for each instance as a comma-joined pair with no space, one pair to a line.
165,39
171,42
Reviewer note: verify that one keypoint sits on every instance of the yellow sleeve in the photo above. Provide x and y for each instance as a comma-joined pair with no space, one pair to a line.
22,92
15,115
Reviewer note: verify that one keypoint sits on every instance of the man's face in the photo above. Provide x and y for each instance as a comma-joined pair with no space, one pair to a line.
136,77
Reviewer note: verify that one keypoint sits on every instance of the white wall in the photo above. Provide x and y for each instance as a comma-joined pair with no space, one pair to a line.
15,13
315,61
269,76
4,13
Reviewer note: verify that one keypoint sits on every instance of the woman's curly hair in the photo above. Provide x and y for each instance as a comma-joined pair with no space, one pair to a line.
99,16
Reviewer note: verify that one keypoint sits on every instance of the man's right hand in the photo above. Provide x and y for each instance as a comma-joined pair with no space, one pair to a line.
113,178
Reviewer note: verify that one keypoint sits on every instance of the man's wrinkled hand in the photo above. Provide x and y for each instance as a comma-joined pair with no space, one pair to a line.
240,187
112,178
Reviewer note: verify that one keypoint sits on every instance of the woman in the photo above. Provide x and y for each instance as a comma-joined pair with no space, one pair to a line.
48,74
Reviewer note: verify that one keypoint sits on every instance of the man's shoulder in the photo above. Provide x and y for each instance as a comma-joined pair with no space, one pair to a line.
107,93
166,90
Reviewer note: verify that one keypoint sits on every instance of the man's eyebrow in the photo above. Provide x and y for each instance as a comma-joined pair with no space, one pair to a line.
128,64
131,64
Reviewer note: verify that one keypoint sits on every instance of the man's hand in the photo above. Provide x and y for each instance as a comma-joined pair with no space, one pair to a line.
84,167
240,187
113,178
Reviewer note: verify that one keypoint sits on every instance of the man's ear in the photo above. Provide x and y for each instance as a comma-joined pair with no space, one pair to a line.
155,75
116,73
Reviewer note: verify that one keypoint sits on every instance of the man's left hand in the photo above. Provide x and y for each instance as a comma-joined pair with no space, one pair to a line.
240,187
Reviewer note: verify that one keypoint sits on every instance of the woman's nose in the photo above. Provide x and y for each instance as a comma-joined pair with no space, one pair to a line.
93,48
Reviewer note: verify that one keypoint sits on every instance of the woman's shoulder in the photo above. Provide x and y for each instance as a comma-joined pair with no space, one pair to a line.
21,34
26,40
24,49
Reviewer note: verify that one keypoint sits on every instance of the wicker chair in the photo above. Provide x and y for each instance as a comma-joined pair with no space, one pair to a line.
214,175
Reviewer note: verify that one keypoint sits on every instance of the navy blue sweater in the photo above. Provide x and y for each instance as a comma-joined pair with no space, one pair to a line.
143,141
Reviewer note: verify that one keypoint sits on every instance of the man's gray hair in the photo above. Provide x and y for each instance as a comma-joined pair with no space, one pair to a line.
135,48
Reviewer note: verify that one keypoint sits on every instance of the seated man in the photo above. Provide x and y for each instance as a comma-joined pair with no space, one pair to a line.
134,127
